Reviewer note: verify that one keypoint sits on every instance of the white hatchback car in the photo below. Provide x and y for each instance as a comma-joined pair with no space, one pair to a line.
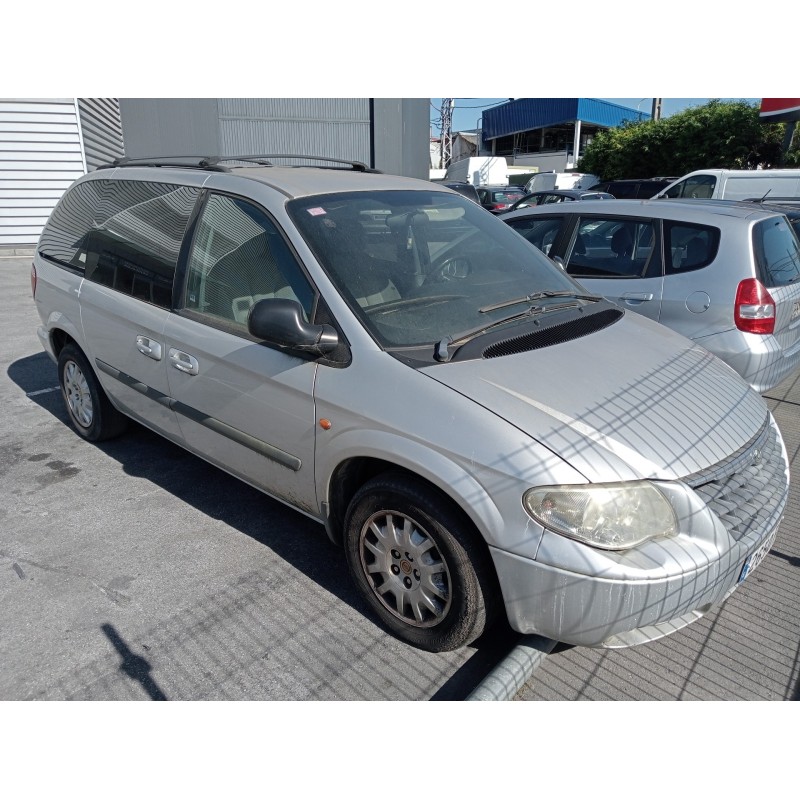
482,435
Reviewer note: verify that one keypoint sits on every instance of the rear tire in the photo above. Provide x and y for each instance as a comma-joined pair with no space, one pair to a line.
418,563
89,409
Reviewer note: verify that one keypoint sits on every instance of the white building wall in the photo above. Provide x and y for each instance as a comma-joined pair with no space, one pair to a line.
40,155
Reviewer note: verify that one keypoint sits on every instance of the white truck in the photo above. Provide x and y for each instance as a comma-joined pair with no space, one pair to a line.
479,171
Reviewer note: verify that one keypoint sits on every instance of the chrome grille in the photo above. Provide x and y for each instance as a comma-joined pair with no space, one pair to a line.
748,490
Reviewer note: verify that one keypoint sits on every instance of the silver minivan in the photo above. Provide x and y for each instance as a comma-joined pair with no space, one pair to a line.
726,275
481,434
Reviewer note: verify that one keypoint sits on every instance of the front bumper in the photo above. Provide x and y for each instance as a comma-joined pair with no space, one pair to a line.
576,594
594,612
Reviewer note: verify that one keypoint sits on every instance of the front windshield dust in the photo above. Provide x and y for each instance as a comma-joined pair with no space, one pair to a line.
417,266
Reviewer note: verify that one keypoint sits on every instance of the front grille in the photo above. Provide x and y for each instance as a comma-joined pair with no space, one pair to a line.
748,490
555,334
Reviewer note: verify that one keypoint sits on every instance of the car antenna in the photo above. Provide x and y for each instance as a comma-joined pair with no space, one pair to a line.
765,195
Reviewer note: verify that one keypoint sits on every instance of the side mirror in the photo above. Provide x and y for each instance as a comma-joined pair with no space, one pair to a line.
279,322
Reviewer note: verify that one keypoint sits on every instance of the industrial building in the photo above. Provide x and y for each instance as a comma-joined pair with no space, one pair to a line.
549,134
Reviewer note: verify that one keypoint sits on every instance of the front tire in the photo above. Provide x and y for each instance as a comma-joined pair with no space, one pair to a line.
418,563
89,409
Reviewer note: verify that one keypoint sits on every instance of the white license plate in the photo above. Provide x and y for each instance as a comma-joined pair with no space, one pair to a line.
754,559
796,309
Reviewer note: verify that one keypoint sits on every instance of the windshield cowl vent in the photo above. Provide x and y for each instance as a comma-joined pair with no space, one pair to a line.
555,334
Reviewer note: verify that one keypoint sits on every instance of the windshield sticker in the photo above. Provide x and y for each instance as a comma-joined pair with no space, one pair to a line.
315,212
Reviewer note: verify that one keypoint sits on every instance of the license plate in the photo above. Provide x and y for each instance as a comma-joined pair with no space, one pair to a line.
754,559
796,309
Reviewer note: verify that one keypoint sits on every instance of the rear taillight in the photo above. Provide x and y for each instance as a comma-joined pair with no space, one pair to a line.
754,309
33,279
499,206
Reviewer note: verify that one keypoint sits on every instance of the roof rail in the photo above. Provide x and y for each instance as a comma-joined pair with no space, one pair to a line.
185,161
213,162
266,160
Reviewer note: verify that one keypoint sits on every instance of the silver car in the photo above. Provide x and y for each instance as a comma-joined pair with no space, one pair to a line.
725,275
481,434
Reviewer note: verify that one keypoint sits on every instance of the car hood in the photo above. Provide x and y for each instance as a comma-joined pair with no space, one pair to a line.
635,400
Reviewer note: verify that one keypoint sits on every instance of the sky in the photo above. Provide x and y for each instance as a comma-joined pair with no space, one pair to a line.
468,110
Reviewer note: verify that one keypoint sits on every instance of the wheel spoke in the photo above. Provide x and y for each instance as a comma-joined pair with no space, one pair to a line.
405,568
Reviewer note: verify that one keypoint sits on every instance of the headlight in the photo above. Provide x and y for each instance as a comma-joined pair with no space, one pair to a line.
612,516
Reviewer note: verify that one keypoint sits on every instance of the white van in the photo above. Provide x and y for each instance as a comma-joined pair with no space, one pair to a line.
736,184
479,171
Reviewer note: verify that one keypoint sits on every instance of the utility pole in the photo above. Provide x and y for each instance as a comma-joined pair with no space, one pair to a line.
446,123
656,114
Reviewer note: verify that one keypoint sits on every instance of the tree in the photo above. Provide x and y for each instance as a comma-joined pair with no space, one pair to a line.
726,135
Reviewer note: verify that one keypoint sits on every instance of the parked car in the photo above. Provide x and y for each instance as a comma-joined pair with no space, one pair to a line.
633,188
557,196
725,275
499,198
481,434
467,189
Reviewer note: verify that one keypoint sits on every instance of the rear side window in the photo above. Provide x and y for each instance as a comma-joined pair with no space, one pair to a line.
777,252
64,235
614,248
688,246
122,234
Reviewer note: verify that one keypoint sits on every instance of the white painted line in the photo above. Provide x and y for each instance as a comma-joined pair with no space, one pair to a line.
43,391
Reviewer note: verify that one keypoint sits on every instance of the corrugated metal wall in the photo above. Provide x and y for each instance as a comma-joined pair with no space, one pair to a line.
101,127
336,127
40,155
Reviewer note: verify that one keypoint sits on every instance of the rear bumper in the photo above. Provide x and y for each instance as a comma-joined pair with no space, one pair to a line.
47,344
759,359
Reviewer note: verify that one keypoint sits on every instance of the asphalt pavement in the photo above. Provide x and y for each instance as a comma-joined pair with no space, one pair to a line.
132,570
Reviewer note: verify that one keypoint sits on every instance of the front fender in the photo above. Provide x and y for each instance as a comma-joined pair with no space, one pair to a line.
415,457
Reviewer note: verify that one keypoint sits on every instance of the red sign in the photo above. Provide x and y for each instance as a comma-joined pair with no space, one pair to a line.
779,110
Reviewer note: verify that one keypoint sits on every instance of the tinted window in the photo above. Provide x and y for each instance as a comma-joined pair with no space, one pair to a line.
623,189
777,252
136,237
612,248
238,257
688,246
73,217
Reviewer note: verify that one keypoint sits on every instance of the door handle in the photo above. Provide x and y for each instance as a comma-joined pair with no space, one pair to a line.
183,361
148,347
634,298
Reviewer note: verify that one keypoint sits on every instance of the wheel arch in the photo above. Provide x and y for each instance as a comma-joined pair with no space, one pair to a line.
469,500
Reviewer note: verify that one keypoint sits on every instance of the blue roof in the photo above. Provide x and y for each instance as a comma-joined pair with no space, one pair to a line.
529,113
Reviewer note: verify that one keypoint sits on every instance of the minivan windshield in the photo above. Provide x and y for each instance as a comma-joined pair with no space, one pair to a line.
420,266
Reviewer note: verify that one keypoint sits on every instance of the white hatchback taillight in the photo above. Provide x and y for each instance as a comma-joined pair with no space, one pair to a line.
754,309
33,279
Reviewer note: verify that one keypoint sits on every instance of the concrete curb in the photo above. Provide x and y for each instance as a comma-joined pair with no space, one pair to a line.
513,672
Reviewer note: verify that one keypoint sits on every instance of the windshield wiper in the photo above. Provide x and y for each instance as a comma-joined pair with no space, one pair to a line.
440,351
532,298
